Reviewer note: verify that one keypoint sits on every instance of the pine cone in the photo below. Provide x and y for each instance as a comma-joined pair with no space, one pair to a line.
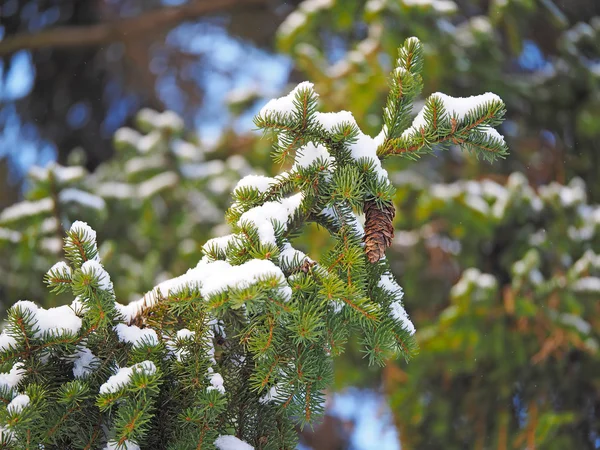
379,230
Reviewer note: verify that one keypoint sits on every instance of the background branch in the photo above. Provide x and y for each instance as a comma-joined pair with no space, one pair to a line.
102,33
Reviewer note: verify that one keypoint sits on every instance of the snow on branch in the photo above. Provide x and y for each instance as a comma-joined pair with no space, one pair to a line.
254,325
122,378
231,443
467,122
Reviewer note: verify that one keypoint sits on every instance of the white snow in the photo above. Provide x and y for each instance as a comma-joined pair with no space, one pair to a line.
568,196
78,307
576,322
491,132
135,335
9,235
312,6
457,107
219,243
243,94
227,442
53,245
290,255
474,277
217,326
292,22
18,403
272,395
184,333
460,107
12,378
26,209
442,6
397,311
406,238
357,225
493,190
239,164
387,282
478,204
83,198
535,277
298,17
149,142
86,232
216,381
116,190
187,151
123,376
169,120
204,170
84,362
309,154
127,445
157,184
60,173
262,216
95,269
330,212
587,284
366,147
399,314
285,105
6,341
480,24
127,135
219,185
588,260
49,225
147,115
445,191
331,120
54,321
487,281
258,182
67,174
375,6
144,164
368,46
61,268
212,277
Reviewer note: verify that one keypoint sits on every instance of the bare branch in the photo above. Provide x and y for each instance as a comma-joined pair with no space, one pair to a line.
103,33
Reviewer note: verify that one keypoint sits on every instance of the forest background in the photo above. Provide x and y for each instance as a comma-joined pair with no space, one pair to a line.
497,261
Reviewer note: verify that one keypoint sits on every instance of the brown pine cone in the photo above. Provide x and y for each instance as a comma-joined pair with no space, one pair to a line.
379,230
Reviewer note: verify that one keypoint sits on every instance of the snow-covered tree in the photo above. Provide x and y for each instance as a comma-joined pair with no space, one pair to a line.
155,204
547,74
237,350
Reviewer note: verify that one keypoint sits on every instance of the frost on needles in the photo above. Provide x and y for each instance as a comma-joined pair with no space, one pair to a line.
238,350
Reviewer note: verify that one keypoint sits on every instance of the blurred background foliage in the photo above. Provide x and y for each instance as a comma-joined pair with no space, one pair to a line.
498,262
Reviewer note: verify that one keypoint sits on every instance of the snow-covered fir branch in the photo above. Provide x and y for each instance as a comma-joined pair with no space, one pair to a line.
239,349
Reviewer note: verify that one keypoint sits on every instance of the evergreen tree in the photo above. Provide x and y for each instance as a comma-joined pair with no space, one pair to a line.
238,349
540,57
155,203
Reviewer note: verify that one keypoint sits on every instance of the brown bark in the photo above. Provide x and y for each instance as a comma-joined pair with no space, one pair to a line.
103,33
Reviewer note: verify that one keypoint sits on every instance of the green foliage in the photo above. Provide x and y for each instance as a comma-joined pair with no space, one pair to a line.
154,204
540,57
508,360
240,346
